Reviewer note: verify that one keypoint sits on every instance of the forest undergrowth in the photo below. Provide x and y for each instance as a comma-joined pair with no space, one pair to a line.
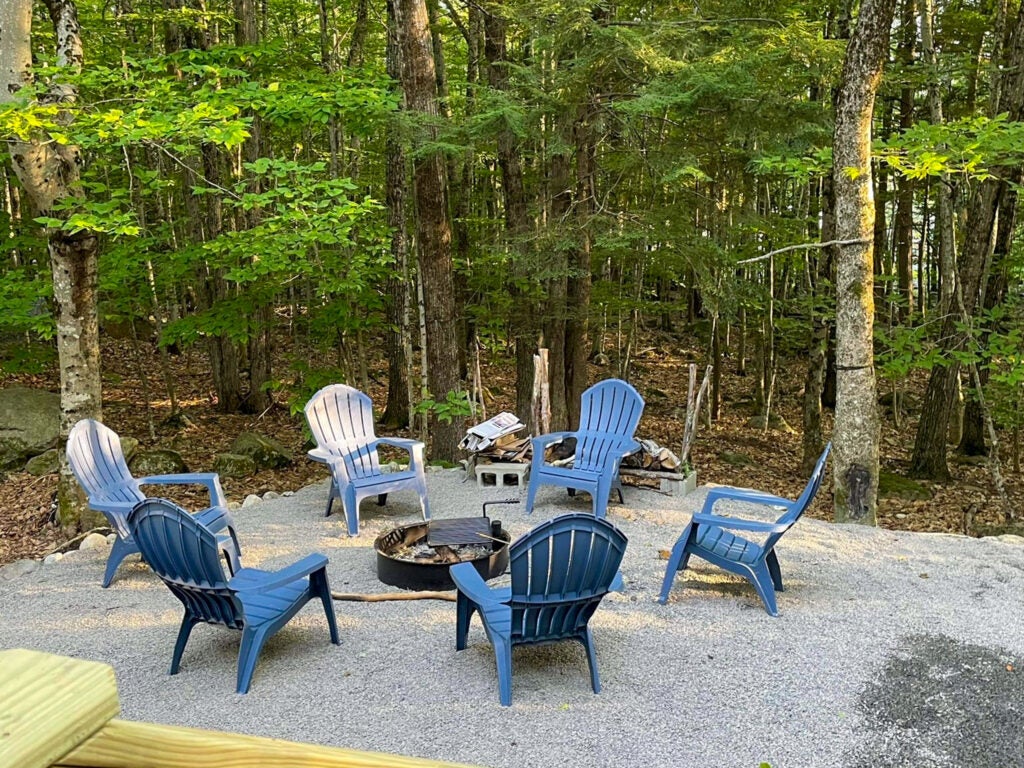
732,452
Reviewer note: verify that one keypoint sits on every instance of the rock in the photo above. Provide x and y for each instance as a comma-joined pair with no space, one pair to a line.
111,538
251,499
55,557
271,495
93,541
46,463
1011,538
974,461
901,516
893,486
234,505
29,424
735,459
159,461
266,452
18,568
288,493
234,465
775,421
129,447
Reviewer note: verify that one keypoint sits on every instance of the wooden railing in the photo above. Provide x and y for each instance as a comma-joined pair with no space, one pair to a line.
56,711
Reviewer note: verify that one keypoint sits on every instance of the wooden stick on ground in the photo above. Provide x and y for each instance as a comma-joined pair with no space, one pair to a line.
381,597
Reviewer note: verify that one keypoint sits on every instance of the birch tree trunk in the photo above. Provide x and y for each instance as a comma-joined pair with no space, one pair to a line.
856,435
50,171
433,230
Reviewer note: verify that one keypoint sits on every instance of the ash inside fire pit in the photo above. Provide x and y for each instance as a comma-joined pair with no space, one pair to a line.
406,560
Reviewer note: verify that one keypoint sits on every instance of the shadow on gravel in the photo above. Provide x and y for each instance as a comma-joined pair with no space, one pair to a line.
940,702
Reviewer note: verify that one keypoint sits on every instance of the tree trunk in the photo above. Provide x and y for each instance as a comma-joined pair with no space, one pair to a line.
555,327
577,348
524,325
929,457
396,412
856,434
50,172
433,230
903,227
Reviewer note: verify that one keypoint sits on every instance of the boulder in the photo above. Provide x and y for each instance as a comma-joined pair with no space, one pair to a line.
266,452
159,461
129,447
251,499
234,465
893,486
29,424
46,463
52,558
93,541
736,458
271,495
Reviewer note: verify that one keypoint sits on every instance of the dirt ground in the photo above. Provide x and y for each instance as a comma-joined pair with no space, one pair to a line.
731,452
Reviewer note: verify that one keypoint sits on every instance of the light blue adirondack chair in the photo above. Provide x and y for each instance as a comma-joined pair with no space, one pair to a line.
341,419
610,412
708,536
183,552
560,572
95,455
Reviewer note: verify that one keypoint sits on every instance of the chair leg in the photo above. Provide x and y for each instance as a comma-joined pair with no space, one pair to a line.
531,493
588,644
464,610
382,499
351,504
248,653
424,504
773,568
319,586
184,631
331,496
599,497
503,658
118,552
762,580
676,562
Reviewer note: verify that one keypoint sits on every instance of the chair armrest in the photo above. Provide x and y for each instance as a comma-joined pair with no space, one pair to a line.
737,524
210,479
543,441
738,494
472,585
215,518
306,566
321,455
400,442
415,448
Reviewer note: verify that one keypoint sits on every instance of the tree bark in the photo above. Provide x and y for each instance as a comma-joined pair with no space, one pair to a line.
524,325
50,172
856,434
433,230
396,412
929,457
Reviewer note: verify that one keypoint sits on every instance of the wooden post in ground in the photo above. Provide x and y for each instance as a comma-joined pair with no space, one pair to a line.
541,394
61,712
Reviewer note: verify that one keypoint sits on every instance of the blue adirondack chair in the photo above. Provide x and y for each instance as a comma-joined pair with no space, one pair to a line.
610,412
341,419
708,536
183,553
95,455
560,572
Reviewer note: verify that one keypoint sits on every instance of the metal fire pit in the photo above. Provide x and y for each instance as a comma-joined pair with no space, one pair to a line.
433,575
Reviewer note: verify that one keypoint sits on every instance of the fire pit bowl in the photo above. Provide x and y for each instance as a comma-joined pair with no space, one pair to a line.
405,560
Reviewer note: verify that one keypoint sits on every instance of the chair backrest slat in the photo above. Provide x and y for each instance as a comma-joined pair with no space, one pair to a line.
98,463
804,501
610,412
185,555
560,572
341,420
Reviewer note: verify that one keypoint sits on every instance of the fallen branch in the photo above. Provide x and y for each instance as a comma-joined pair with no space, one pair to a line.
381,597
66,546
804,246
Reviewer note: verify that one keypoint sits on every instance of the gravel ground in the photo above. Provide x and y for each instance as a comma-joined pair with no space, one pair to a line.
891,649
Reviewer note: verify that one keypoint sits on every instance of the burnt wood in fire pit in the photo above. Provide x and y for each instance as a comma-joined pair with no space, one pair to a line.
406,560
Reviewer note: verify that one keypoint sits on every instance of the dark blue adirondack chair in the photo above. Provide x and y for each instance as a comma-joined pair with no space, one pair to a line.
708,537
560,572
95,455
610,412
183,552
341,419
